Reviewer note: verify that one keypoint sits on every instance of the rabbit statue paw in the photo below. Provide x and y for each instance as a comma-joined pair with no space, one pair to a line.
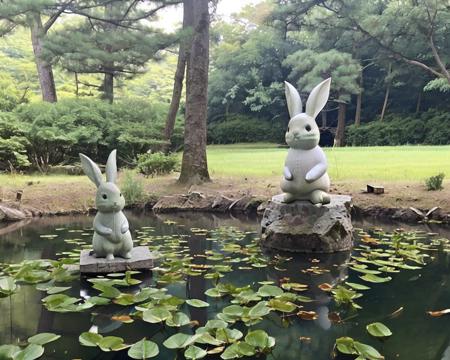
112,236
305,172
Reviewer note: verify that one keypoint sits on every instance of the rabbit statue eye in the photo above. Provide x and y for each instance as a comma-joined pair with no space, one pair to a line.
308,127
120,194
104,196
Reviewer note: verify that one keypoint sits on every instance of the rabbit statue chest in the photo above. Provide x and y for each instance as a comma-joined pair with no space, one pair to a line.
116,222
300,161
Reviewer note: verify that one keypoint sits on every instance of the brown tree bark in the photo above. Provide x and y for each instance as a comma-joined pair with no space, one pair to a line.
44,69
108,87
340,131
324,118
180,71
194,166
419,101
359,100
386,96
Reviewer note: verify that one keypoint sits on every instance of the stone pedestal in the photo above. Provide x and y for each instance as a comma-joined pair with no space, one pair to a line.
141,259
303,227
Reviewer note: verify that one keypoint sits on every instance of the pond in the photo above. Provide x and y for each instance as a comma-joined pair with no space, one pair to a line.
406,275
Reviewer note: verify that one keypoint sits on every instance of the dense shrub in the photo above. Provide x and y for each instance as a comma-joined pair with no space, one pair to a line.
431,127
241,128
56,133
13,144
132,187
158,163
434,183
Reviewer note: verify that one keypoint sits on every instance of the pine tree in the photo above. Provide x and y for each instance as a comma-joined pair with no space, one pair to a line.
309,68
39,16
110,41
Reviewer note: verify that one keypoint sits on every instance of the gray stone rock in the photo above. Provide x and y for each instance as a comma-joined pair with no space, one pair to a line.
10,214
141,259
303,227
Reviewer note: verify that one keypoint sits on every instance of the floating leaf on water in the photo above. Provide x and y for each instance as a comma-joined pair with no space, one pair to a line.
356,286
7,286
143,349
260,339
31,352
378,330
178,319
259,310
269,291
375,279
305,339
396,313
334,317
307,315
439,313
112,343
156,315
7,351
89,339
122,318
194,352
282,305
43,338
180,341
325,287
197,303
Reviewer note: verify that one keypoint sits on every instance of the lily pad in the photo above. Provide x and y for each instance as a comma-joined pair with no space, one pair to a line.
143,349
43,338
197,303
378,330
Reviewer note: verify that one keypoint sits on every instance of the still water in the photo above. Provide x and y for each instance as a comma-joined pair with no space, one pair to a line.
416,335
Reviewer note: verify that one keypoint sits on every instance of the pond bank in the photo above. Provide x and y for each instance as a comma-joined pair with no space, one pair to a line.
210,199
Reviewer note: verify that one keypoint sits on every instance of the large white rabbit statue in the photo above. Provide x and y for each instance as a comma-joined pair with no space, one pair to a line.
305,172
112,236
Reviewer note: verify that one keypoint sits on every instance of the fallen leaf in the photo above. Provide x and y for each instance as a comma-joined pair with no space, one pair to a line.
122,318
438,313
305,339
307,315
334,317
325,287
396,312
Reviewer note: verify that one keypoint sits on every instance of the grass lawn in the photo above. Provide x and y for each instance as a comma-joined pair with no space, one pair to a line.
392,163
266,161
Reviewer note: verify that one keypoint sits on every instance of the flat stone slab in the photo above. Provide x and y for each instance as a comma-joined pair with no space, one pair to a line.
303,227
141,259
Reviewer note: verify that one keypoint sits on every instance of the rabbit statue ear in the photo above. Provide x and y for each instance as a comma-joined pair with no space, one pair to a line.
294,102
111,167
318,98
91,169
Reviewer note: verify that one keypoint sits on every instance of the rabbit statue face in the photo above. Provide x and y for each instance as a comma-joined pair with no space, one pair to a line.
303,132
108,198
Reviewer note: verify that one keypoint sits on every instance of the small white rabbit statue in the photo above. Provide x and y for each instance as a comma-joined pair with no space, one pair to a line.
112,236
305,171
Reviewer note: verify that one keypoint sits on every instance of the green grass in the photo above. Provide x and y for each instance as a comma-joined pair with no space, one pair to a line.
394,163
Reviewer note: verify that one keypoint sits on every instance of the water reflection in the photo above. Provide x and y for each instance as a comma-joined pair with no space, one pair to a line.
416,335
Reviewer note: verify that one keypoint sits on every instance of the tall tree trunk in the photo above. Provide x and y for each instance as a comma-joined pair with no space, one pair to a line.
340,131
183,55
108,87
359,100
44,69
108,79
324,118
194,166
386,96
419,101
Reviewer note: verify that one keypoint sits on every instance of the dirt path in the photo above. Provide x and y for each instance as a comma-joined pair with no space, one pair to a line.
79,195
